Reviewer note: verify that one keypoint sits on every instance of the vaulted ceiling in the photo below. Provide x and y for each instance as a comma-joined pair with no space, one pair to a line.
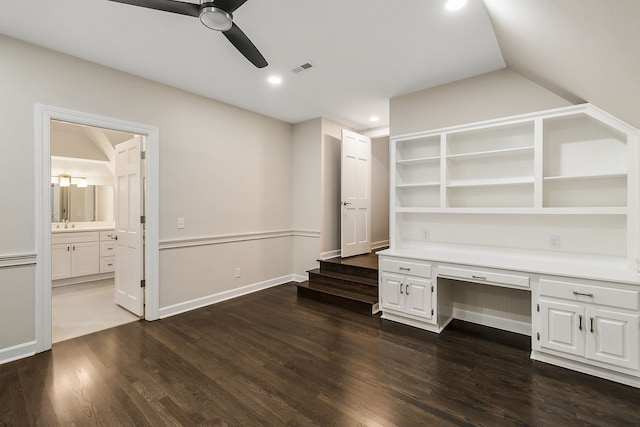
363,52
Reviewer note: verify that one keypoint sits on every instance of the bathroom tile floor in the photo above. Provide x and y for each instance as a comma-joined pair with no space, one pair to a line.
85,308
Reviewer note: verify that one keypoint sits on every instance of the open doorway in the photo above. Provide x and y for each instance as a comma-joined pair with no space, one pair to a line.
83,255
46,119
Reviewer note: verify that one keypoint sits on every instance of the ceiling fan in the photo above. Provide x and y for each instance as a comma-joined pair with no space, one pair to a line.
216,14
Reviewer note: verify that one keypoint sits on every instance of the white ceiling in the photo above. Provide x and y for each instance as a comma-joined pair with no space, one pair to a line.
363,51
583,50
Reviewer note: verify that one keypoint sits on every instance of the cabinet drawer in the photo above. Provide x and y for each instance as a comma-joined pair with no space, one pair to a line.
485,276
108,235
107,264
107,249
614,297
413,268
86,236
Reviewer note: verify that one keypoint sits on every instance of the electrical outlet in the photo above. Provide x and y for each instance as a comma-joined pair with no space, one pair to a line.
180,222
554,242
425,234
236,272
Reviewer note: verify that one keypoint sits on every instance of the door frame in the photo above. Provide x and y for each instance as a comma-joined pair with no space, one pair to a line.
42,131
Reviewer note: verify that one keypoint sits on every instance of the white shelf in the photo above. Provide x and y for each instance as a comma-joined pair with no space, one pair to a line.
585,177
418,161
418,185
492,153
518,211
491,182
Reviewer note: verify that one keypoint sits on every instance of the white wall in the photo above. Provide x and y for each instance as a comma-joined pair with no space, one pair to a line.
306,195
488,96
225,170
380,191
492,95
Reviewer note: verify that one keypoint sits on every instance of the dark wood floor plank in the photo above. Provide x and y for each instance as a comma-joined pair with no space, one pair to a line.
270,358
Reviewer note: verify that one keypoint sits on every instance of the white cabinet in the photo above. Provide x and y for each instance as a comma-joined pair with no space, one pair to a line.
80,254
85,258
596,324
407,292
60,261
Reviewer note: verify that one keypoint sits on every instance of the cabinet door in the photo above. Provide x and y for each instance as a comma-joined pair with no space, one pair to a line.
392,291
612,337
418,297
562,327
85,258
60,261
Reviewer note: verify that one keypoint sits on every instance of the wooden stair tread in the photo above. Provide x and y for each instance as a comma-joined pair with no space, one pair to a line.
339,292
345,276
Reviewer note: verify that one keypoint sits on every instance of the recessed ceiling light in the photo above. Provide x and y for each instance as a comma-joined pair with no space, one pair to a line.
452,5
374,118
274,80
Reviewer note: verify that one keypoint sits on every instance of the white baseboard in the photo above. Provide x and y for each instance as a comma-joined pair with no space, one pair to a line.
493,321
337,252
81,279
300,277
331,254
380,244
183,307
16,352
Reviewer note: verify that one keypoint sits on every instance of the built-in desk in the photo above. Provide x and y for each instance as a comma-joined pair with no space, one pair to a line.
588,325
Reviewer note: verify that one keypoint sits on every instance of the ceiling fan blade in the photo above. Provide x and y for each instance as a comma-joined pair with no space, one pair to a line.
228,6
179,7
244,45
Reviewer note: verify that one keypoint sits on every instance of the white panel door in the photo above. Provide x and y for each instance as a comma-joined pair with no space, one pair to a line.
613,337
60,261
129,229
355,194
418,297
563,327
85,258
392,291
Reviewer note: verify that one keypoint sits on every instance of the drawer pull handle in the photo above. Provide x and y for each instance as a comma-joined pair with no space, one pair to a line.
584,294
591,327
479,277
404,268
109,265
580,322
401,285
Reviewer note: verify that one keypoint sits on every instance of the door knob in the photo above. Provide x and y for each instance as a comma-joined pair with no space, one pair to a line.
346,203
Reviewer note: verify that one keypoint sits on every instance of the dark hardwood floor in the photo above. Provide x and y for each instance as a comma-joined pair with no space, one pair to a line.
271,358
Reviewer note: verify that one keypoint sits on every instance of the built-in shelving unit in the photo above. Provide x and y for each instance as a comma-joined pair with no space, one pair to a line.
545,203
569,174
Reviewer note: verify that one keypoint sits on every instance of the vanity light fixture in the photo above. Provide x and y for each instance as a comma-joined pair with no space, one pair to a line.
81,182
452,5
64,180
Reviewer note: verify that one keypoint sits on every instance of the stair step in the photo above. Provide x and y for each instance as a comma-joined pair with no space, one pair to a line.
354,270
329,295
342,293
317,277
346,277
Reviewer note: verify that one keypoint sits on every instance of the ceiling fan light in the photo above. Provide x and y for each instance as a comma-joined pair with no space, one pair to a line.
216,19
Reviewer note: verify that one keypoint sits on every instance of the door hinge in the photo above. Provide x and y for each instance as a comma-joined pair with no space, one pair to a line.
538,305
143,155
538,336
143,283
431,288
432,311
143,219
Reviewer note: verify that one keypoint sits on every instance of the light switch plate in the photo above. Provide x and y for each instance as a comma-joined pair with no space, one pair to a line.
180,222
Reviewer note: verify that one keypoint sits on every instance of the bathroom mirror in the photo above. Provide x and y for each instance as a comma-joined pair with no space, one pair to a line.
81,204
